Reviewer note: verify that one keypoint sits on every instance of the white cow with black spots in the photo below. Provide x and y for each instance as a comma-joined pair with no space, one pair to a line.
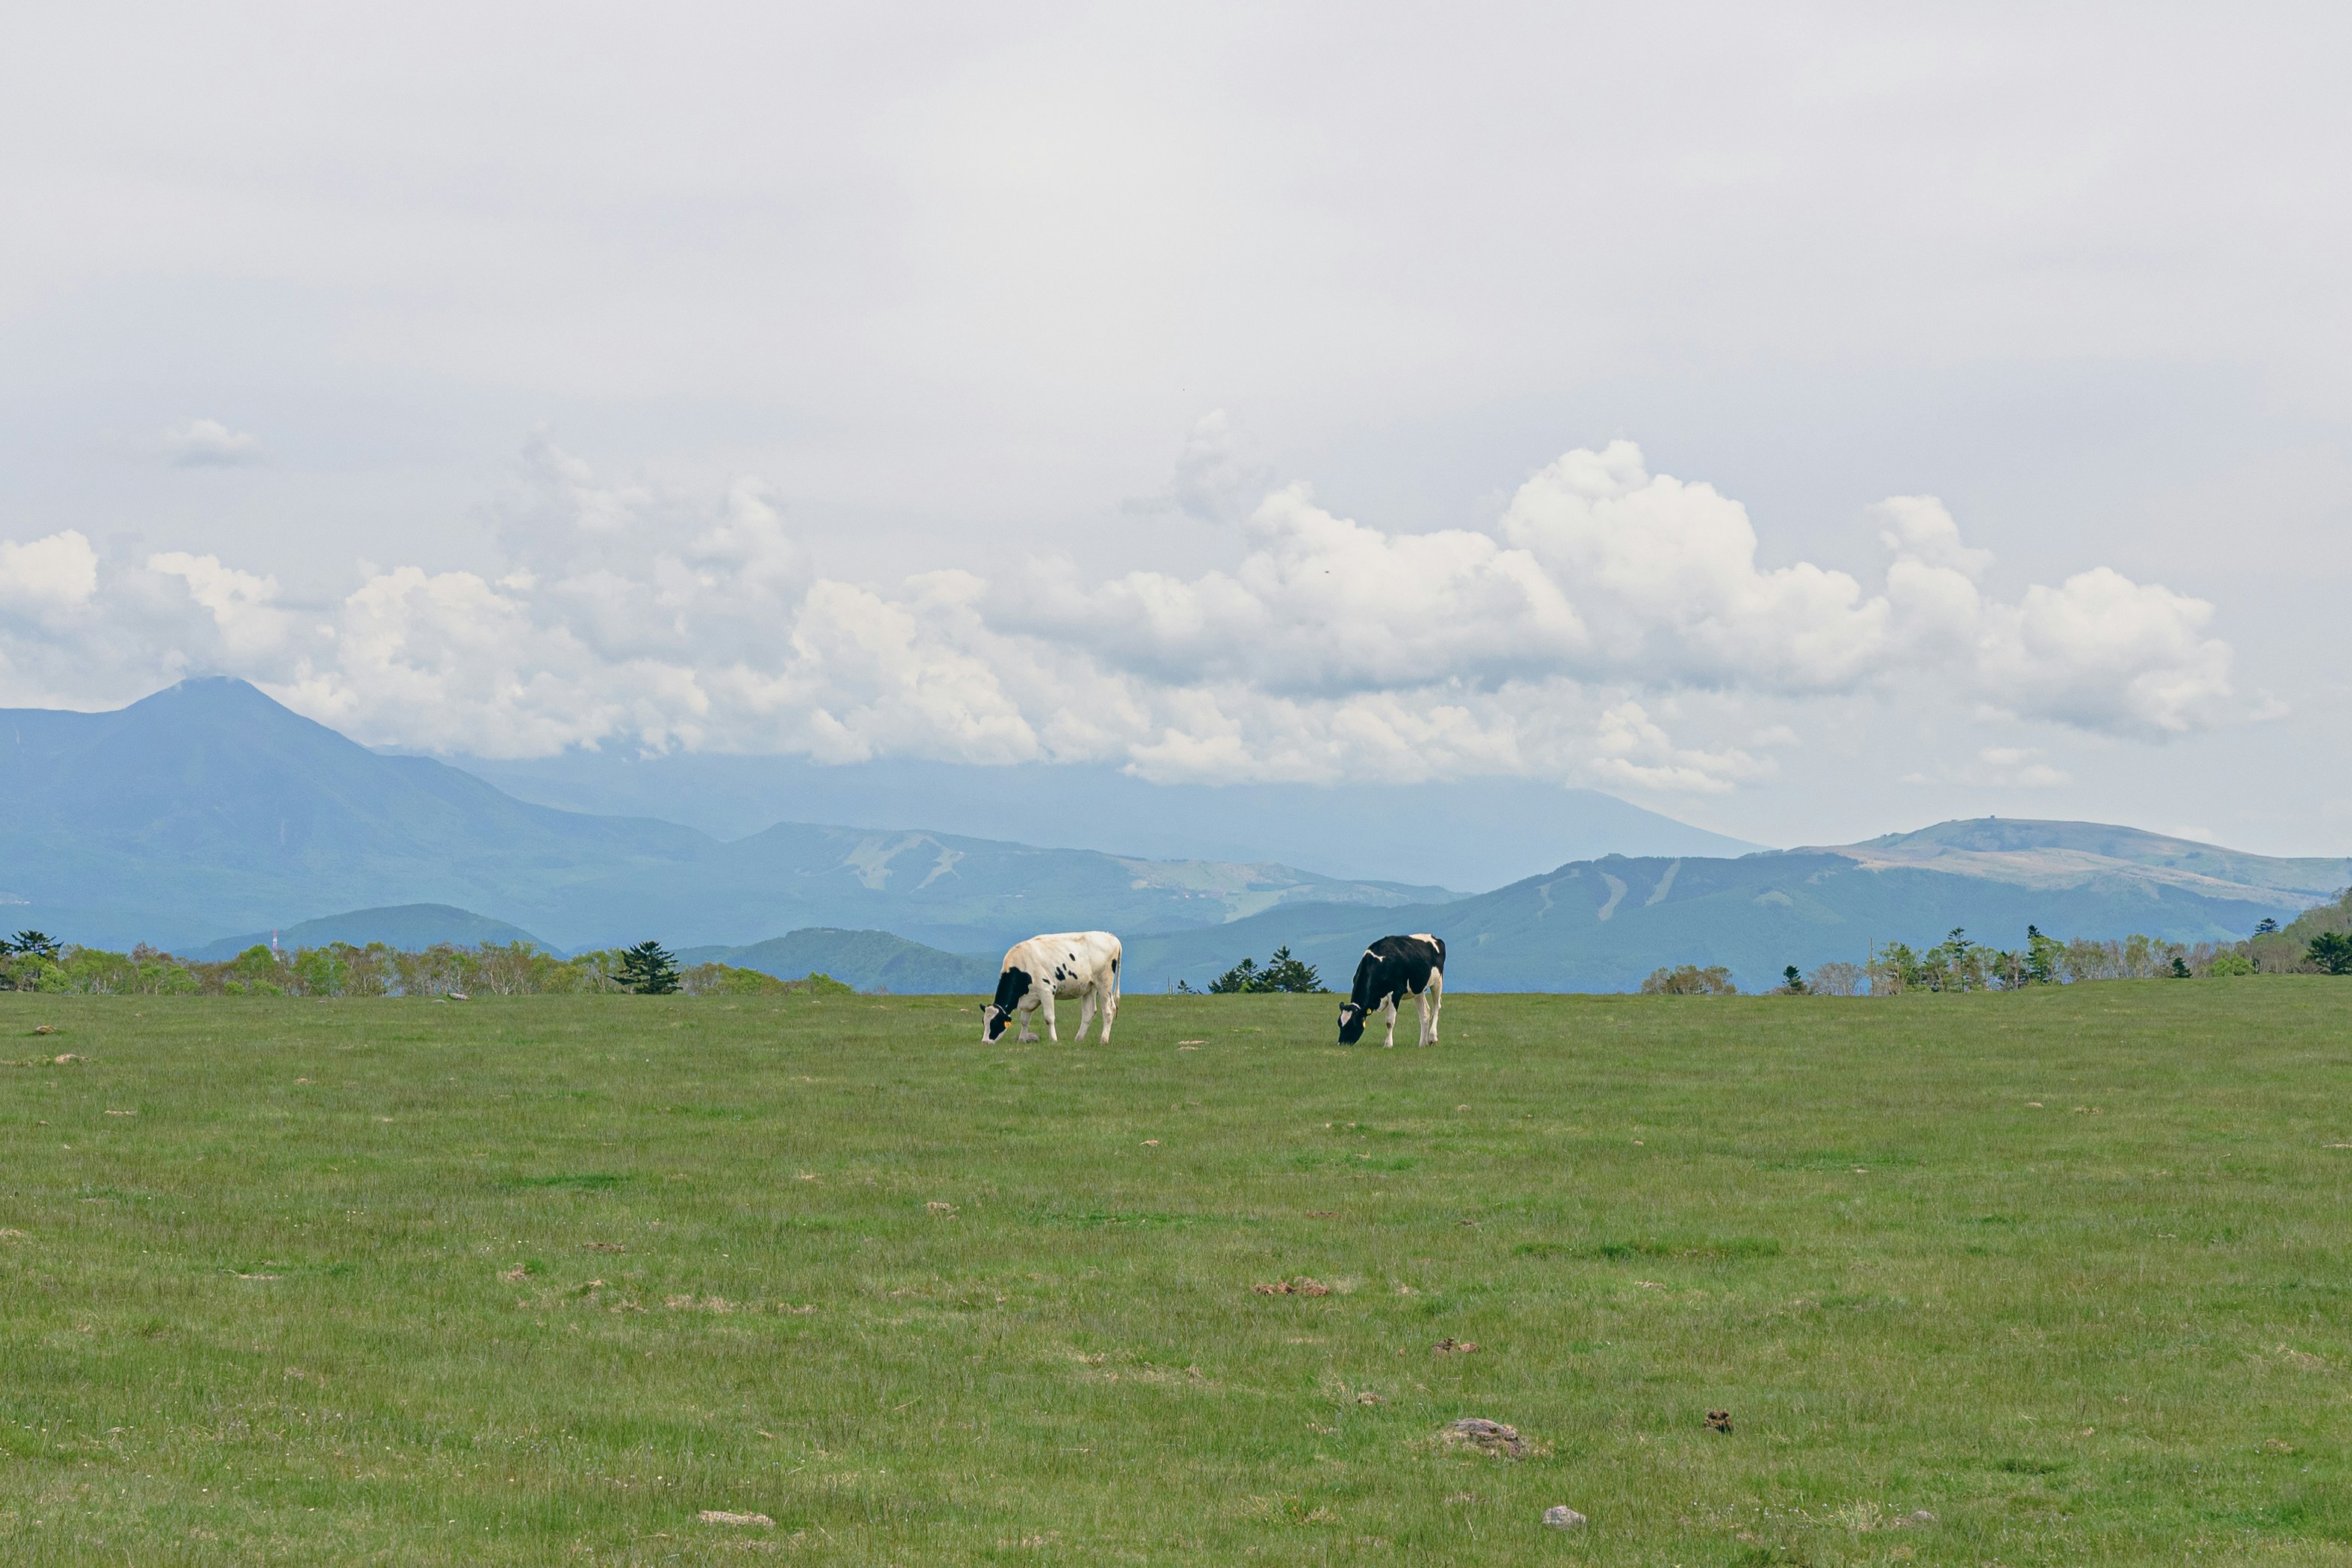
1068,964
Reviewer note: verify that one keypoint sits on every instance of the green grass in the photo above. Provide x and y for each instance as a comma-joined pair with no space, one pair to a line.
537,1281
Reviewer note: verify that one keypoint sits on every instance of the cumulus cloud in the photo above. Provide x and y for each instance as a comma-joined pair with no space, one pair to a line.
1632,750
1216,481
1666,573
55,573
1612,626
2102,652
209,444
242,605
1319,605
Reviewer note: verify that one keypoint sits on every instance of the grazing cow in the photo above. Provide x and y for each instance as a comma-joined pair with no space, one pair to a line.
1391,969
1072,963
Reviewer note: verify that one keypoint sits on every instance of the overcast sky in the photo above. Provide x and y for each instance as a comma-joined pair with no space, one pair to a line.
1810,422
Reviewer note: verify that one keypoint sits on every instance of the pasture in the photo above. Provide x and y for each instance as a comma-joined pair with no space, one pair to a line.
538,1281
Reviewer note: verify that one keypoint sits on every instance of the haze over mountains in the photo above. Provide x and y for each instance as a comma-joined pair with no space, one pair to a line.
1603,925
208,812
1467,833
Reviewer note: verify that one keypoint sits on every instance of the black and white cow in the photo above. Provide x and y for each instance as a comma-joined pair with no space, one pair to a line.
1391,969
1070,964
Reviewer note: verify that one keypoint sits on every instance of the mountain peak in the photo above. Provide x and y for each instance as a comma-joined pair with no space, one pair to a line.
1993,835
214,697
2031,851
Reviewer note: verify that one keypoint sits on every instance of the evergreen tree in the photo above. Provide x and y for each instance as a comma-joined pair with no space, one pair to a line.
38,944
1282,973
2331,952
1793,981
648,970
1285,973
1242,978
2042,956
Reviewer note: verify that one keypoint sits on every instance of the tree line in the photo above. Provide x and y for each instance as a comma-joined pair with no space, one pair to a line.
32,961
2317,942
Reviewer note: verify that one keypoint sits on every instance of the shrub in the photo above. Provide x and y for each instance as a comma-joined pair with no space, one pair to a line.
1836,980
820,985
1690,980
727,980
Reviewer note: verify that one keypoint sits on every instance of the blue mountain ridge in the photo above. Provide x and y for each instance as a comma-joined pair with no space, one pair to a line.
1463,833
1603,924
208,808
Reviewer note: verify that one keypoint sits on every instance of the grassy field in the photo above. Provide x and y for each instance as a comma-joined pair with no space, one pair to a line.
540,1280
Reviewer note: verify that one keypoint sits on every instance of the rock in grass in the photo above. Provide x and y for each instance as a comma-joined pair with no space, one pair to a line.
1563,1518
722,1516
1490,1437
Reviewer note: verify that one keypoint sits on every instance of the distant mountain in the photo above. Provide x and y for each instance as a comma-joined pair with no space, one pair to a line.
2075,854
208,808
411,927
1603,925
870,960
1471,833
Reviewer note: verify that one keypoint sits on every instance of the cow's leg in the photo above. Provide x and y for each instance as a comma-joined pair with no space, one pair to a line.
1420,1002
1388,1010
1109,1007
1046,1007
1085,1015
1436,1006
1028,1011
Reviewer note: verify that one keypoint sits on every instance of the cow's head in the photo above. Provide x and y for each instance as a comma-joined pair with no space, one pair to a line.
1011,987
1351,1023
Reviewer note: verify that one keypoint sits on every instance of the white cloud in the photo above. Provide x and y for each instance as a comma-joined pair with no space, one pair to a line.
1319,605
1666,574
59,572
1216,481
1999,768
1919,528
240,603
1635,750
1612,626
209,444
2101,652
1599,572
2016,768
